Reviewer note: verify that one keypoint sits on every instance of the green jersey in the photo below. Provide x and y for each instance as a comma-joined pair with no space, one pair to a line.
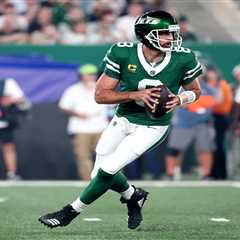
126,63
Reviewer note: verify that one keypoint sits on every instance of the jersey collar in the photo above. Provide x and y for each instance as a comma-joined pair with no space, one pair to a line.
152,71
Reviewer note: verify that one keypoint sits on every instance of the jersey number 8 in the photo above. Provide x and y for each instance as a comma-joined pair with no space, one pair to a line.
147,83
125,44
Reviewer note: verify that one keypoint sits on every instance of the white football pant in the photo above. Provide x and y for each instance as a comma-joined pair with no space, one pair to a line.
122,142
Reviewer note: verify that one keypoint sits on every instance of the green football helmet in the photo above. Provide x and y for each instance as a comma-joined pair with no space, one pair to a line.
149,26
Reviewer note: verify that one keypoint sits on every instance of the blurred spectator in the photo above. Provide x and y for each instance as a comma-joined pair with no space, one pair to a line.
42,19
86,6
155,4
173,12
32,7
46,35
60,9
12,103
2,6
78,34
97,9
9,33
234,141
186,33
73,15
42,29
64,16
117,6
12,26
100,6
236,75
19,5
125,24
42,22
87,119
104,31
193,124
10,11
221,121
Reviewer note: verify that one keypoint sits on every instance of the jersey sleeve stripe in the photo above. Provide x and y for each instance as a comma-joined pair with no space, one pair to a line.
112,63
197,70
193,70
112,68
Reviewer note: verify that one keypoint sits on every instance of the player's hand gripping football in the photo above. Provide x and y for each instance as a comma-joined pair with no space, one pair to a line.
149,96
172,103
159,109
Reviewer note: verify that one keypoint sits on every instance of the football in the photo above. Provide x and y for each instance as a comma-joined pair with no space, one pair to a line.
160,109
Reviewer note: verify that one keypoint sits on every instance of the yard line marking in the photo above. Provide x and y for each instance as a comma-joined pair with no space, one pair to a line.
138,183
3,199
219,219
92,219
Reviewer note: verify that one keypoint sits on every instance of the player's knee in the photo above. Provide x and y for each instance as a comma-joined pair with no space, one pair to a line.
104,176
93,173
118,160
173,152
110,169
112,164
97,164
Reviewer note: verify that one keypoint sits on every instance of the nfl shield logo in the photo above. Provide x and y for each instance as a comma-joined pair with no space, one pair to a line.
152,72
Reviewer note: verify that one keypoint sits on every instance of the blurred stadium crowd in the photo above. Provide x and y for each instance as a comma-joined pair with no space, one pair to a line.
75,22
212,123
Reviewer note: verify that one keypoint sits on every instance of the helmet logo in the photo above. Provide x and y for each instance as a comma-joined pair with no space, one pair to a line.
147,20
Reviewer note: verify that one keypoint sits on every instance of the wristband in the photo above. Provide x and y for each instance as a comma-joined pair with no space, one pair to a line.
180,99
187,97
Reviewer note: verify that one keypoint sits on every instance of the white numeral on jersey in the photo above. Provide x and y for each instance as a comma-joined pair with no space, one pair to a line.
147,83
182,49
125,44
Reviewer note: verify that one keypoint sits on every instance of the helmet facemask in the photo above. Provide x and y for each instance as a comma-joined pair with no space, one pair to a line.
154,38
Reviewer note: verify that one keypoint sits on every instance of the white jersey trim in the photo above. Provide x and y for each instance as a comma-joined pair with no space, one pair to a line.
152,71
189,76
112,63
192,70
112,68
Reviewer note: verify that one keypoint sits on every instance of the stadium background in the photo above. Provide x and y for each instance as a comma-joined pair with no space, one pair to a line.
44,67
45,70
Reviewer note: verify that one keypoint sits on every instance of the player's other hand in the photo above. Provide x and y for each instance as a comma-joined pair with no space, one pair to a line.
6,101
149,96
173,103
82,115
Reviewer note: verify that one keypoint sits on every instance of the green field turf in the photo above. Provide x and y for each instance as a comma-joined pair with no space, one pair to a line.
180,213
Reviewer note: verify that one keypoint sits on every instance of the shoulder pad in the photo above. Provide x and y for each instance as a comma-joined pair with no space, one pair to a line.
185,54
121,49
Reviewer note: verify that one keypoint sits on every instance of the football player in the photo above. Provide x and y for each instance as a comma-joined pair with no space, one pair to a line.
156,59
